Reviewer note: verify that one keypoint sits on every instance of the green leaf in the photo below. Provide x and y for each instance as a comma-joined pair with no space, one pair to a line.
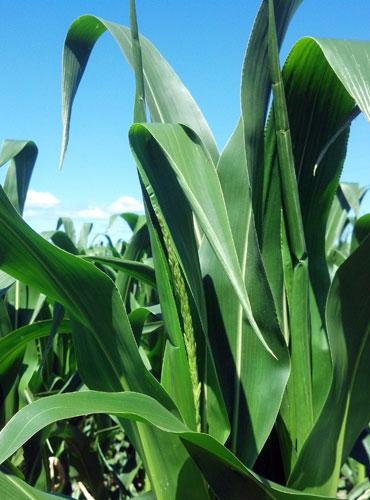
318,107
230,479
133,220
167,98
139,106
256,89
163,151
76,284
138,270
13,487
69,227
137,320
217,463
347,409
22,156
84,233
183,243
135,249
360,231
61,240
350,61
175,376
253,381
13,345
5,323
292,213
106,351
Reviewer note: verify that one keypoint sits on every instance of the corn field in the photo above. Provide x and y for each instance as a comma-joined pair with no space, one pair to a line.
223,352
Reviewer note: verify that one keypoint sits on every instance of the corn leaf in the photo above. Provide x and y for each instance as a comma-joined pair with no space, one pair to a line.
13,345
318,106
350,61
167,98
13,487
105,347
138,270
347,409
253,381
299,324
61,240
69,227
22,156
169,152
226,474
256,89
175,376
134,251
360,231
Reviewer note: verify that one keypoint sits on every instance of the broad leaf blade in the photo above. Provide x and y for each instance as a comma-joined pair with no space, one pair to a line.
350,61
167,98
216,462
106,351
13,487
22,156
164,151
13,345
347,409
138,270
253,382
255,91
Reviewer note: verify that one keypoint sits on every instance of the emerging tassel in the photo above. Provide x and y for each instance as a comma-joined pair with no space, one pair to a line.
188,330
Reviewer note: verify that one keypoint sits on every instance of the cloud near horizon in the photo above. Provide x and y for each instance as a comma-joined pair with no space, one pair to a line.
46,205
37,199
126,204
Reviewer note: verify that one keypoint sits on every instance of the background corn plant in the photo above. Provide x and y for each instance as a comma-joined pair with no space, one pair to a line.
90,452
260,385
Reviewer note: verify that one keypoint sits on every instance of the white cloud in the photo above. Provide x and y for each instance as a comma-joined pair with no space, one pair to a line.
47,206
126,204
30,213
88,213
36,199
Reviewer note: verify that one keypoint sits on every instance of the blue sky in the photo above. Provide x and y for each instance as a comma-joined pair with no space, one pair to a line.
203,40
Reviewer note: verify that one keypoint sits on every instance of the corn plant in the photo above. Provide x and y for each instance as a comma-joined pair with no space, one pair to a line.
263,386
32,366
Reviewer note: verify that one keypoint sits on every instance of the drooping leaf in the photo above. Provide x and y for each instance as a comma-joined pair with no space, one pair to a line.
350,61
69,227
138,270
61,240
138,244
22,156
106,351
360,231
227,476
167,98
174,153
84,233
13,345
